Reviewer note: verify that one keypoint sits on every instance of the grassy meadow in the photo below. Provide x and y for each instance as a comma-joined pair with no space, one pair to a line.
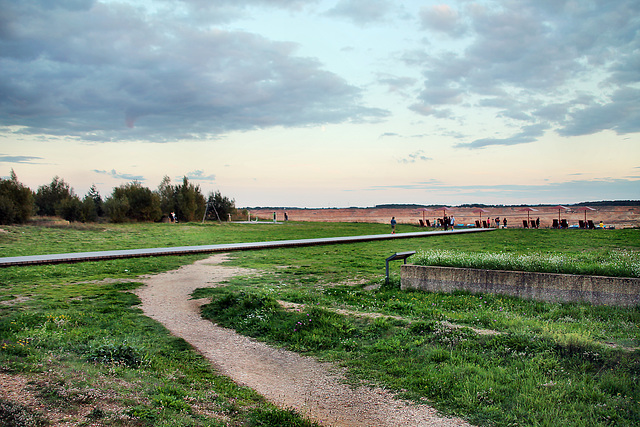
87,350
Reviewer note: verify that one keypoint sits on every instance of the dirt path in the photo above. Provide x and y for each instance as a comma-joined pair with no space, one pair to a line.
283,377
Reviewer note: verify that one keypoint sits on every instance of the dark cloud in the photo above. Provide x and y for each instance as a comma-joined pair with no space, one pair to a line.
19,159
362,11
112,72
112,173
519,53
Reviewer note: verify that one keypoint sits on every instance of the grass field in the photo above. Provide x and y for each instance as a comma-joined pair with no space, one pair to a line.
82,343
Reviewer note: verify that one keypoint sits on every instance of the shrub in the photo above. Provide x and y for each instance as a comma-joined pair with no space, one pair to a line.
117,353
16,201
133,201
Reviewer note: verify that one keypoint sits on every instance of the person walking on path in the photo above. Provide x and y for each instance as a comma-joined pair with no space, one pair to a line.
393,225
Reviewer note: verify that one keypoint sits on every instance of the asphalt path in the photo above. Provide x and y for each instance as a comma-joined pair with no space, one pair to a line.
225,247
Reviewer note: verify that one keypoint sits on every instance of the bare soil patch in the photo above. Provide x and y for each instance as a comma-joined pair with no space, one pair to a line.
617,216
317,390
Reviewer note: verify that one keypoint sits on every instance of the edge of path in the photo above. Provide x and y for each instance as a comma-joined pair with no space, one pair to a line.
315,389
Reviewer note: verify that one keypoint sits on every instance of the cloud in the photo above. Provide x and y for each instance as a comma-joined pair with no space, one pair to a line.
362,11
117,175
442,18
621,114
19,159
530,57
389,134
529,134
417,156
199,175
400,85
116,72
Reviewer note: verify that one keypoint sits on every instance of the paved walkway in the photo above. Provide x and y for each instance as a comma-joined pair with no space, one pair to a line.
225,247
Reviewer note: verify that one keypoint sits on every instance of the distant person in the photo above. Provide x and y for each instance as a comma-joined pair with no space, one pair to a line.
445,223
452,221
538,222
393,225
504,222
274,217
601,225
286,216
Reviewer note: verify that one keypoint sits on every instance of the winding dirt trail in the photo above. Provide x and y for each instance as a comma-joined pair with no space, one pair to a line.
287,379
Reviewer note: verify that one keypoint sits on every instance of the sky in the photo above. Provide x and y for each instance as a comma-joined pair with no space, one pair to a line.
326,103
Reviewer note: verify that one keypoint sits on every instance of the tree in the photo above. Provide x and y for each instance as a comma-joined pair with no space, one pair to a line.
167,194
190,203
70,209
223,206
94,195
49,198
133,201
16,201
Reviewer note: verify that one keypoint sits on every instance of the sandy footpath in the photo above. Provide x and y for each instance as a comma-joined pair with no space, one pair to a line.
283,377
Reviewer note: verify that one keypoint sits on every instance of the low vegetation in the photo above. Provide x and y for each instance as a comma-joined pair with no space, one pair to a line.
90,354
620,263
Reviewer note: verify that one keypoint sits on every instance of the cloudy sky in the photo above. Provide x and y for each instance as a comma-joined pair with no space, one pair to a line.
326,103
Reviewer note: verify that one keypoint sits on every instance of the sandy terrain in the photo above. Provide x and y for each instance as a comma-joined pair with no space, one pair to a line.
616,216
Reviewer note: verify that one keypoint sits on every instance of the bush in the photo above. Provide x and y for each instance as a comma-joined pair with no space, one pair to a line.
16,201
133,201
117,353
49,197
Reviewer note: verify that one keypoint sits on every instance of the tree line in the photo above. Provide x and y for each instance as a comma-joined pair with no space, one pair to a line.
129,202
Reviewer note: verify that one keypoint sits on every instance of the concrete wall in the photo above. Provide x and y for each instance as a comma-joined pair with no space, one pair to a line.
538,286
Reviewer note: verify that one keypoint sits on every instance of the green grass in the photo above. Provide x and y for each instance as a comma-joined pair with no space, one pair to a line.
622,263
549,364
86,344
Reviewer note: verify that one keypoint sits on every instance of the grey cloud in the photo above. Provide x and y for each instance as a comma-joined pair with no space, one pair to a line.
19,159
113,73
399,85
529,134
520,52
362,11
112,173
442,18
426,110
621,114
